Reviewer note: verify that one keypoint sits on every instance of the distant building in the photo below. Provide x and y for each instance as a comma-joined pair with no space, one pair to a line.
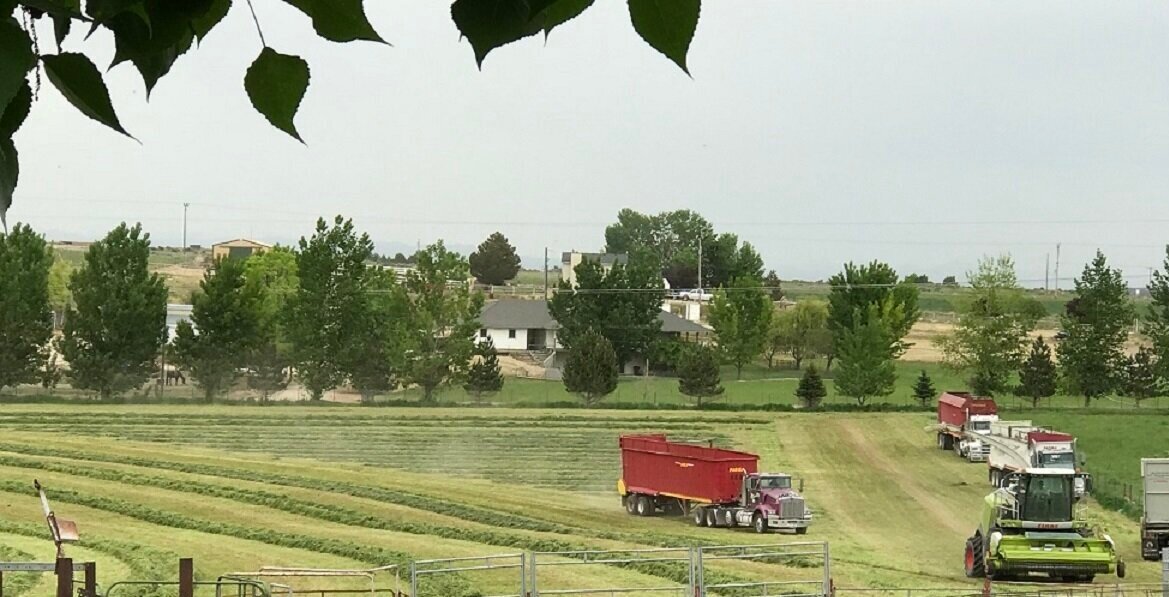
517,326
569,261
240,248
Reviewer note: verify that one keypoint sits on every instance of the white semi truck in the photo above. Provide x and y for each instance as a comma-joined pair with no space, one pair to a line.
1016,446
1155,520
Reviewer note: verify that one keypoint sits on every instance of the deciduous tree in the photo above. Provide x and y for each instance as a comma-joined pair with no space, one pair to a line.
272,277
224,325
989,341
698,375
1158,318
856,288
1091,357
113,334
444,318
26,317
591,368
495,261
329,307
624,305
741,318
801,331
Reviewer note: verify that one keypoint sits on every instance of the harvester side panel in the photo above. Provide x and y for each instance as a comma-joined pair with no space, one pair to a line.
654,466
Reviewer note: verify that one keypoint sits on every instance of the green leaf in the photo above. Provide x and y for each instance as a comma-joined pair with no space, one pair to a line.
62,24
16,111
71,8
152,40
80,82
560,12
338,20
103,10
204,24
9,173
489,24
16,59
276,83
667,25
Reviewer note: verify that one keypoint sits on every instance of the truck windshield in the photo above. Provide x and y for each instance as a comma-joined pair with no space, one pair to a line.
1047,499
775,483
980,425
1057,460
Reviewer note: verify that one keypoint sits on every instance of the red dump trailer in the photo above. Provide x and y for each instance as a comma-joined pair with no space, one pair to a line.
963,419
718,487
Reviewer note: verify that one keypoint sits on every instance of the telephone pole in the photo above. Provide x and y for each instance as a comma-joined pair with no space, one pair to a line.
1047,272
700,268
545,273
1057,267
185,206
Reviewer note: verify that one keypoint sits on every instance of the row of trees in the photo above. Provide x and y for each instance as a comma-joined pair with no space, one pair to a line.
322,309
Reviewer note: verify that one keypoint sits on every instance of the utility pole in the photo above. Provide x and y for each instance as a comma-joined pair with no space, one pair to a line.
1047,272
1057,267
700,268
185,206
545,273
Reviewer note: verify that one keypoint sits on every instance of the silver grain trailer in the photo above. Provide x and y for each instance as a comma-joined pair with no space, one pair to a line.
1155,521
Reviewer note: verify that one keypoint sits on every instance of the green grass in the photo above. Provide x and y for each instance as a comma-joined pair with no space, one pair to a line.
238,487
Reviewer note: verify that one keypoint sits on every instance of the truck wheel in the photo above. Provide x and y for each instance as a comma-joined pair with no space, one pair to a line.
759,522
700,517
630,503
994,477
974,564
941,441
1120,570
643,506
712,518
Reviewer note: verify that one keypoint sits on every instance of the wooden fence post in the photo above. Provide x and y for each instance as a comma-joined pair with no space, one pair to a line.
186,577
64,577
90,579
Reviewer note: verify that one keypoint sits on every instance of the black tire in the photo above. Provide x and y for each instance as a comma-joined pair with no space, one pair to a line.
712,519
942,441
644,507
973,564
630,503
759,523
700,517
801,530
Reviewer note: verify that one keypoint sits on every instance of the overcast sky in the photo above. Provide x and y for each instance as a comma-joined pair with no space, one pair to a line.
923,133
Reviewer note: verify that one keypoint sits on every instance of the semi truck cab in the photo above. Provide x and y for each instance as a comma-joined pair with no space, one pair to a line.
770,500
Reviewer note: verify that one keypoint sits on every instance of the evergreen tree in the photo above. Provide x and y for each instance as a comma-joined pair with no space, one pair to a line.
923,389
26,319
1097,321
698,375
773,285
1037,375
741,318
227,319
866,354
442,322
267,366
1141,381
811,389
591,369
495,261
485,375
113,335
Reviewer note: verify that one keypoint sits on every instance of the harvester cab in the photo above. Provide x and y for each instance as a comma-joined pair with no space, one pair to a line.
1034,524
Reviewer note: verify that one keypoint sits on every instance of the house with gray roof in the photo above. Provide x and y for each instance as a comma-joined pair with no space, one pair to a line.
526,326
569,260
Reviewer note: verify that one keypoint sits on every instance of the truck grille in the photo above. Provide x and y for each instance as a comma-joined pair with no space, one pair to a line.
791,507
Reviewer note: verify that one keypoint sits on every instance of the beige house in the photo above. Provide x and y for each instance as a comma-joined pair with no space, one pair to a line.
569,261
239,248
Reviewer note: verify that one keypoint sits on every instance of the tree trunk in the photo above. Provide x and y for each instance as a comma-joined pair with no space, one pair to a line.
738,371
1087,401
798,360
828,365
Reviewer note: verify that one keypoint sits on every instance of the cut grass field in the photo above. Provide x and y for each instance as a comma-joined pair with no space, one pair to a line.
242,487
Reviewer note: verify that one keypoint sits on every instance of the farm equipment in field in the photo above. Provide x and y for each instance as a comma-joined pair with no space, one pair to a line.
963,420
1155,519
1033,525
1016,446
716,487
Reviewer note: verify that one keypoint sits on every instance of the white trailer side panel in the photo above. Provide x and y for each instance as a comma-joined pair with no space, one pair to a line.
1155,472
